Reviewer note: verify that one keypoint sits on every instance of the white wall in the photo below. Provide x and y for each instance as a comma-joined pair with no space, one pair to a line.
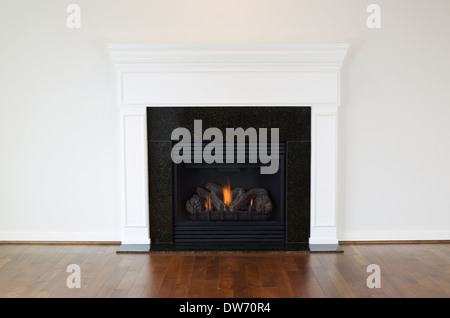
59,138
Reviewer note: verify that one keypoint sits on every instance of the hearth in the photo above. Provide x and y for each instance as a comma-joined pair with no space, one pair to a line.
229,202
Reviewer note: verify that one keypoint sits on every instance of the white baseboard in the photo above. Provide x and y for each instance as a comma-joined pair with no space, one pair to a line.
116,237
394,236
60,236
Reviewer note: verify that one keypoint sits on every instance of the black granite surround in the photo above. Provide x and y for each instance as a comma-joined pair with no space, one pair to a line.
294,125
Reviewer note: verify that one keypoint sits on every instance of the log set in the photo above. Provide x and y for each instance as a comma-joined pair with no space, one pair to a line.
256,199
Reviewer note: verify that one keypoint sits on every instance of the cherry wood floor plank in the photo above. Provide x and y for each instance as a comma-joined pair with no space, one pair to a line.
325,283
95,271
211,288
184,276
240,286
387,267
119,269
156,271
12,273
354,275
312,286
140,282
45,274
226,276
266,271
82,256
289,262
269,288
283,267
168,284
198,278
395,279
254,283
335,275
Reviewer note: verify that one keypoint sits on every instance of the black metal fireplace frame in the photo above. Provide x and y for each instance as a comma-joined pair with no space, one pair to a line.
231,231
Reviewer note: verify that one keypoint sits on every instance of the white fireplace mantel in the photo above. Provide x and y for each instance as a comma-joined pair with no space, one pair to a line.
228,75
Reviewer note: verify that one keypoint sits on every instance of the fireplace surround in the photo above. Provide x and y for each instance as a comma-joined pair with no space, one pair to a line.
288,188
235,76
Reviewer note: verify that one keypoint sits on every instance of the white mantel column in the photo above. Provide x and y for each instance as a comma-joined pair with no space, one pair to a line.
323,175
135,175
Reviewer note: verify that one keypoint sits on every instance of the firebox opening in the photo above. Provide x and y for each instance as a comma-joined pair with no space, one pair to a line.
229,202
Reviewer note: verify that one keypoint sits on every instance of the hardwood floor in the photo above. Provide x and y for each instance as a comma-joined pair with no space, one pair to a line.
407,271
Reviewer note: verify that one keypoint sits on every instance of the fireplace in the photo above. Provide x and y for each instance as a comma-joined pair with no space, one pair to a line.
235,76
229,202
188,202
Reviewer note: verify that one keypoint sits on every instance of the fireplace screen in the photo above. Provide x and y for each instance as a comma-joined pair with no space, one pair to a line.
229,202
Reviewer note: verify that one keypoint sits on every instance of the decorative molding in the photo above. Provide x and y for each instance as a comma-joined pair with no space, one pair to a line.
211,57
238,88
229,104
214,74
60,236
63,242
394,235
395,242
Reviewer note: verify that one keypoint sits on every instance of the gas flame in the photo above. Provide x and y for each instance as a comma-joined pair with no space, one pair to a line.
208,203
227,194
